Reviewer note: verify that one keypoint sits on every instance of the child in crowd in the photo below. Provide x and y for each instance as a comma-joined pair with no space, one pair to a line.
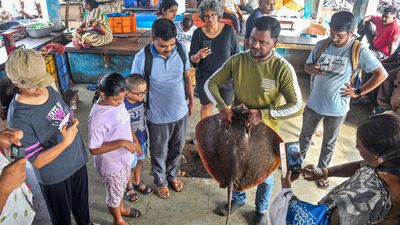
184,34
134,103
184,31
111,145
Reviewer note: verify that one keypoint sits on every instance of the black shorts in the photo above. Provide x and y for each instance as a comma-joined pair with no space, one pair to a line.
226,91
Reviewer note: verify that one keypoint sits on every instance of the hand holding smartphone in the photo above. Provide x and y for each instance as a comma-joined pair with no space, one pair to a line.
290,158
207,44
17,152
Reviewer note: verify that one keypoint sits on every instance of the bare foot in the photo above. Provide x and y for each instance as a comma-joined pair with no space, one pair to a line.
121,222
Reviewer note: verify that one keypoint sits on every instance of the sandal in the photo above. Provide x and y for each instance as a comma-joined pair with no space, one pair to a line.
163,192
134,213
132,197
146,188
323,183
176,185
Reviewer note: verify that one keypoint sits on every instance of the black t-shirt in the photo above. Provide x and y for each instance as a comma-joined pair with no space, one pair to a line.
222,47
42,125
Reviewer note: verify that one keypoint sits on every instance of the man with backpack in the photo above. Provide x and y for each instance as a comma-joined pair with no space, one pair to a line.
334,62
165,65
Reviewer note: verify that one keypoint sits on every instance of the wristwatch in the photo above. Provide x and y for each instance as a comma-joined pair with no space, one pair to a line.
358,91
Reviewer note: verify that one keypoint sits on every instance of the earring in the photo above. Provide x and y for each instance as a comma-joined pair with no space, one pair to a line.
380,160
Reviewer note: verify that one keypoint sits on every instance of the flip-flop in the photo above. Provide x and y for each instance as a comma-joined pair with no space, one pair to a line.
323,183
163,192
134,213
146,190
176,185
132,197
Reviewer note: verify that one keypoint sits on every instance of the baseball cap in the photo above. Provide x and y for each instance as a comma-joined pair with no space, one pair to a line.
27,68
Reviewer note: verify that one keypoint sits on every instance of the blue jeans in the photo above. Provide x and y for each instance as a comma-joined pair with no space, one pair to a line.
263,195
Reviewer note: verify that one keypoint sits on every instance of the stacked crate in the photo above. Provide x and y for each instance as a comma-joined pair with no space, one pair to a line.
57,67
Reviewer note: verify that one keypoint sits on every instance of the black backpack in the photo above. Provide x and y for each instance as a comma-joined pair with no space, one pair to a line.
148,64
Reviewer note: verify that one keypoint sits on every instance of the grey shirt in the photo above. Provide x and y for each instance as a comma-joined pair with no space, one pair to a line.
41,125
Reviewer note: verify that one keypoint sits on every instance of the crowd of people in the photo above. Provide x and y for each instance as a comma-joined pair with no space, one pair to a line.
150,110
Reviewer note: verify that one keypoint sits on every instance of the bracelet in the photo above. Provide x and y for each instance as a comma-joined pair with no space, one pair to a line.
325,171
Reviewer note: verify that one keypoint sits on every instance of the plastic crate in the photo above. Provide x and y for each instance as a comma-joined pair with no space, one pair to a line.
63,75
122,22
51,67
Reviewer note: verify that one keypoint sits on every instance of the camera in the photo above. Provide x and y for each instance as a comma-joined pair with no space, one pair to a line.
17,152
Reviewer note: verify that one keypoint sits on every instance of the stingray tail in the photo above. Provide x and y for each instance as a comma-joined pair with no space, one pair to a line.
230,187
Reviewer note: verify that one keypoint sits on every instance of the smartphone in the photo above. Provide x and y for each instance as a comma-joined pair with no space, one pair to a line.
17,152
207,43
293,156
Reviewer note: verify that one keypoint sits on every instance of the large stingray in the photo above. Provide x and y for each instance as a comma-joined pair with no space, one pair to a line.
236,157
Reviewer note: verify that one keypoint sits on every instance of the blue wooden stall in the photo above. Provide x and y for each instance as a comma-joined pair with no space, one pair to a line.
86,65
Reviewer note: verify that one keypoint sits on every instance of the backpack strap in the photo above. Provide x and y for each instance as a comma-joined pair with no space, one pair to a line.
148,64
355,56
323,47
183,56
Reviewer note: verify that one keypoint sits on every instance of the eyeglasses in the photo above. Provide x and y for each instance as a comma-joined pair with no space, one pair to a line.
209,16
140,94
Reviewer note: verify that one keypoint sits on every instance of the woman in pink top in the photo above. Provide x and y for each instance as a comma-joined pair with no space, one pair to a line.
111,144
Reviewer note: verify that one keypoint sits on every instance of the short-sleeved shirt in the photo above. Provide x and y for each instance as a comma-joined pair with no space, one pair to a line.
250,22
325,97
385,34
167,96
30,7
42,126
107,124
223,46
230,4
184,37
138,119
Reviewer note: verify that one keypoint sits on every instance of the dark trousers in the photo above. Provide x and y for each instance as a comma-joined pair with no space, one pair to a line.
66,196
166,145
389,93
237,21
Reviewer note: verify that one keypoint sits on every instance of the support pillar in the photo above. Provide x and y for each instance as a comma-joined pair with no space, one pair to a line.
51,12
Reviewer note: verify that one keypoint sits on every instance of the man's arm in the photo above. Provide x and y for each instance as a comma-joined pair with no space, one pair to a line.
392,47
379,75
39,9
214,83
290,91
189,91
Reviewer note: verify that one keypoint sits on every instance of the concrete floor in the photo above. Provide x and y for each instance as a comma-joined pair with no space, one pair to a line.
197,203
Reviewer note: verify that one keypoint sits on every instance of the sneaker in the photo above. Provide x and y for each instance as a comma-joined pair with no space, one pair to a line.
381,110
261,219
234,205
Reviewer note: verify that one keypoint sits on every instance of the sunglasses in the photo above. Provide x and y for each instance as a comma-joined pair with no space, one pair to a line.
140,94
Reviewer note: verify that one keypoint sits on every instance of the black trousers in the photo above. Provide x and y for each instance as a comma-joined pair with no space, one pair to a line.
66,196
